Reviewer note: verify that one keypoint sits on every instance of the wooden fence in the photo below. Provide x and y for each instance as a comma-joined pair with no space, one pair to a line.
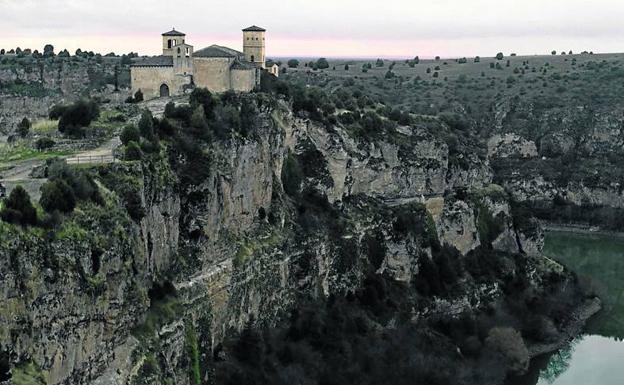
91,159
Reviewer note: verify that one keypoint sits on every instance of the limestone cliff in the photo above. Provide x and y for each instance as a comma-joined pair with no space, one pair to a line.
144,288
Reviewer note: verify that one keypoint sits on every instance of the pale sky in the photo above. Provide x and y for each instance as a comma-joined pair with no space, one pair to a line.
315,28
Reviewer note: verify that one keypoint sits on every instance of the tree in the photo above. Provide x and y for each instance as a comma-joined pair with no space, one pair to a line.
44,143
130,134
23,127
64,53
57,195
500,56
346,67
379,63
2,51
203,97
138,96
18,208
133,151
322,63
293,63
554,52
477,59
48,50
75,116
146,125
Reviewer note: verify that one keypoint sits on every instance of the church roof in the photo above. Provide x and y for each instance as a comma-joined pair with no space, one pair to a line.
254,28
173,32
218,51
153,61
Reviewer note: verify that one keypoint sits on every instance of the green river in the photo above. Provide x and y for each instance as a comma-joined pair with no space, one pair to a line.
597,357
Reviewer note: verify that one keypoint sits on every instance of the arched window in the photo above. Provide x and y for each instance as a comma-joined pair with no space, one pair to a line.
169,43
179,51
253,58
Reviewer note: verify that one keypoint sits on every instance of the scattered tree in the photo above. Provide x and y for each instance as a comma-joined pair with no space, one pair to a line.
56,195
48,50
23,127
18,208
130,134
322,63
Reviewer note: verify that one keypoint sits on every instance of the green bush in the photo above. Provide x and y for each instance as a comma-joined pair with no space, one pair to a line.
133,151
23,127
18,208
56,195
80,181
138,96
146,125
203,97
130,134
322,63
44,143
77,116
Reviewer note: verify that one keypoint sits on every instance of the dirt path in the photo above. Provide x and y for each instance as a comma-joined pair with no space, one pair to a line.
19,173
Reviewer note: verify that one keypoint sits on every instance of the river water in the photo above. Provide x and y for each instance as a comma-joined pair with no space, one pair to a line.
597,357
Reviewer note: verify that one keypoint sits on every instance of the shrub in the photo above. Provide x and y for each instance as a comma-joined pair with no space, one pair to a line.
138,96
48,50
56,195
322,63
170,110
133,151
23,127
146,125
80,181
44,143
56,111
18,208
130,134
77,116
203,97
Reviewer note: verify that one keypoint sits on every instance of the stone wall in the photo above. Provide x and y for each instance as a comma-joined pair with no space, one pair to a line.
213,73
243,80
149,80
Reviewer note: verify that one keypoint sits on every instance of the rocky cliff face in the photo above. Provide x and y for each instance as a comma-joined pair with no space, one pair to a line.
115,298
29,87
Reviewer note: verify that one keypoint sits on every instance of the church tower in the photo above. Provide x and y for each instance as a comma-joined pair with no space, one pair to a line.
254,45
171,40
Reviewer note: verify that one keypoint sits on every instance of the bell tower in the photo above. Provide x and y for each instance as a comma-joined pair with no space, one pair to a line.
171,40
254,45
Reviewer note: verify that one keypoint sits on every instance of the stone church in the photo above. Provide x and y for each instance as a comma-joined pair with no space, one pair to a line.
216,68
